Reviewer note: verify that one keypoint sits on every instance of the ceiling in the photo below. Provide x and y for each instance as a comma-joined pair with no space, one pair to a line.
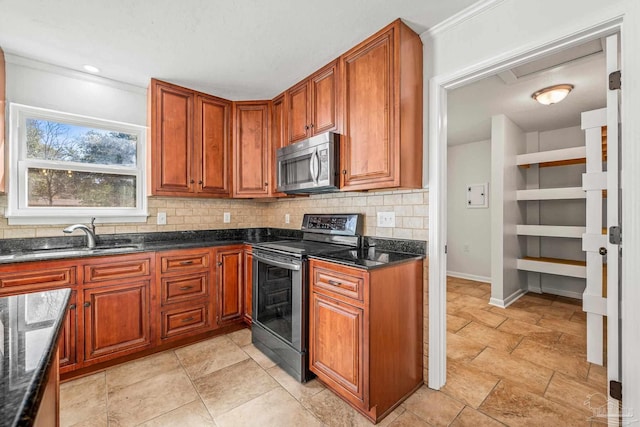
470,107
243,49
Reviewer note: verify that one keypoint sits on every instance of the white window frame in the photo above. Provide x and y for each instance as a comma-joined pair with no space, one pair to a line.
17,211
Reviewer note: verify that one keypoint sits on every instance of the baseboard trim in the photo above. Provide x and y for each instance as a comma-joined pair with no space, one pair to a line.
508,300
559,292
482,279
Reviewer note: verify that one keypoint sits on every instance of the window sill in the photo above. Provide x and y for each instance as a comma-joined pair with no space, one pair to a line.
72,219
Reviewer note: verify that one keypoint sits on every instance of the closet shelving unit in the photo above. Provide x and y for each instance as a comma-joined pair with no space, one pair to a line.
555,158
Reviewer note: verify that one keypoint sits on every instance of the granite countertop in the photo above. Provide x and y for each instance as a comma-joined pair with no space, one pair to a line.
31,324
368,258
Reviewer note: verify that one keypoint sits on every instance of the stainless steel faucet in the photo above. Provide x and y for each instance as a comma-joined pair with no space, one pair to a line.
91,237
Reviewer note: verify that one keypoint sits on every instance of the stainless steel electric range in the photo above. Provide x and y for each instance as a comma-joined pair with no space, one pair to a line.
281,287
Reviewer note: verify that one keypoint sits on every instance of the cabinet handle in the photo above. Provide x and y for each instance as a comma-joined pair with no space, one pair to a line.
191,181
334,283
306,128
266,184
200,182
186,262
220,264
311,125
184,288
87,304
72,307
188,319
344,171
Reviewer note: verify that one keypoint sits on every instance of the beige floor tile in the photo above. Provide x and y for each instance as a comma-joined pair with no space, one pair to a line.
452,296
515,406
209,356
490,337
298,390
141,369
542,299
573,344
518,314
467,384
574,365
232,386
547,311
241,337
471,289
466,301
579,316
571,392
597,375
432,406
461,348
274,409
409,419
478,315
259,357
455,323
147,399
469,417
534,332
192,414
535,378
574,328
83,402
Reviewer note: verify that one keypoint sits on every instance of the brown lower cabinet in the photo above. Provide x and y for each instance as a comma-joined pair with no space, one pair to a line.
365,333
124,306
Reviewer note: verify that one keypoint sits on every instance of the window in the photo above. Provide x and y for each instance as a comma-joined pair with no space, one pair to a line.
65,167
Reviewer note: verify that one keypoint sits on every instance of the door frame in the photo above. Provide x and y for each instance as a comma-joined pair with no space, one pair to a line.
437,155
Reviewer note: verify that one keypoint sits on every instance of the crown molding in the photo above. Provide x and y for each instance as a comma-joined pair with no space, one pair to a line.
460,17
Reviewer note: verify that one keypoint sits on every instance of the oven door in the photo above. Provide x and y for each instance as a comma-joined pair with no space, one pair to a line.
278,297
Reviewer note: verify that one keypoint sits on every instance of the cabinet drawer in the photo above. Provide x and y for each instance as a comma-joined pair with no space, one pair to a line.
109,269
184,320
37,279
180,288
338,280
186,261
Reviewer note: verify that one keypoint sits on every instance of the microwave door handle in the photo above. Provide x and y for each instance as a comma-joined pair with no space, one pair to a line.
316,166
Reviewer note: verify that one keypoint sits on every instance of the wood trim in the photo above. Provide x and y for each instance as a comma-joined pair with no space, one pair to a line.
3,97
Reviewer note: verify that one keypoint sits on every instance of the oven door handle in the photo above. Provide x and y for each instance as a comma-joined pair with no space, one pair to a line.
282,264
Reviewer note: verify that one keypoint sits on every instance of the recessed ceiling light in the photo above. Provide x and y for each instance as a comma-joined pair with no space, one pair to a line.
552,94
91,68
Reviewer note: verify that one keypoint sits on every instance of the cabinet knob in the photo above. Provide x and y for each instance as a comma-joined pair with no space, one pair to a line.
344,171
87,304
306,128
191,181
200,182
311,125
266,184
72,307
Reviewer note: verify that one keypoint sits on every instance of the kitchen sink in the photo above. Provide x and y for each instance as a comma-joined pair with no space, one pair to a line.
66,252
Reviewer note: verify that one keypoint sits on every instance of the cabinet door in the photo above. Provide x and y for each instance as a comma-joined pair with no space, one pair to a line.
324,99
336,345
69,336
369,145
230,284
279,139
116,320
213,145
172,139
298,114
251,149
248,287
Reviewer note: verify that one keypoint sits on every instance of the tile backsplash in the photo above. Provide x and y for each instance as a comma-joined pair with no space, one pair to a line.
410,208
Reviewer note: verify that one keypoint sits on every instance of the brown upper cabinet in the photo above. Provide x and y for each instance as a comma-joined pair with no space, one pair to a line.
381,145
191,142
251,149
313,104
278,138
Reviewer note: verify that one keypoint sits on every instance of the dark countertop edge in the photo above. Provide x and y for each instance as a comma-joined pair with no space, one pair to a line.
26,413
335,260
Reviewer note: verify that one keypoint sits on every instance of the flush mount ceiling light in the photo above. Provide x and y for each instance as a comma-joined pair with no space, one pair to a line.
91,68
552,94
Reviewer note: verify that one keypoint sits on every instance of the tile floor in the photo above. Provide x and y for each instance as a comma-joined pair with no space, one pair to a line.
523,365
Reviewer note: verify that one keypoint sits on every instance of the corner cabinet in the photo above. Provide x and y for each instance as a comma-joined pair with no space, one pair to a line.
381,145
251,149
191,142
365,333
313,104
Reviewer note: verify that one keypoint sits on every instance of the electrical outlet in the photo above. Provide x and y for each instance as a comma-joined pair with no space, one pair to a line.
226,217
287,218
162,218
386,219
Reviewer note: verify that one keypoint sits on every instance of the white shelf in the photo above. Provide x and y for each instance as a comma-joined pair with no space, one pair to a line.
553,266
551,194
564,154
551,231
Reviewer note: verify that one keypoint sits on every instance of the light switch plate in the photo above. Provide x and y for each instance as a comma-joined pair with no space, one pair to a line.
386,219
162,218
226,217
287,218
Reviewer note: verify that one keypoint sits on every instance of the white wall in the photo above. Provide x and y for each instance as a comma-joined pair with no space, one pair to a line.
507,141
42,85
471,228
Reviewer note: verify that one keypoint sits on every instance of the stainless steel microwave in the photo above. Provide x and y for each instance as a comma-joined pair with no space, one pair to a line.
309,166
